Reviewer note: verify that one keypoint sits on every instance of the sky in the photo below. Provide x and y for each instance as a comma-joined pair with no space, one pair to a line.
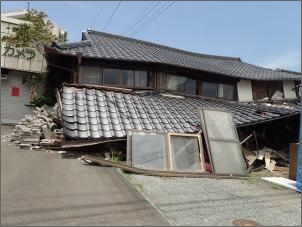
262,33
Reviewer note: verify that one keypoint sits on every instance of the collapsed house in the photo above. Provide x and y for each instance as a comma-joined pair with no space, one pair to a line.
114,85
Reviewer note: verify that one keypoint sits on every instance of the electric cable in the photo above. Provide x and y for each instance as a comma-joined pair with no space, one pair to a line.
114,11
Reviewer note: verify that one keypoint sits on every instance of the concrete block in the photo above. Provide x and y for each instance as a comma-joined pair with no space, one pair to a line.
36,130
58,131
19,127
46,131
28,118
25,146
30,140
56,107
36,147
52,126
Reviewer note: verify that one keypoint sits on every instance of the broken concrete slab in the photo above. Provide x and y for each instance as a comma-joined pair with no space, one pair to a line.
47,132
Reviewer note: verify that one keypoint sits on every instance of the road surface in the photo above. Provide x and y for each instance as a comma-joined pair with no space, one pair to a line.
40,188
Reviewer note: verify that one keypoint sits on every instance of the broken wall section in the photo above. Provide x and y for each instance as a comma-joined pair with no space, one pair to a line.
41,128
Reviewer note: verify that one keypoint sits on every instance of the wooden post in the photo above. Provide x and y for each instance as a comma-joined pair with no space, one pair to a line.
293,148
79,61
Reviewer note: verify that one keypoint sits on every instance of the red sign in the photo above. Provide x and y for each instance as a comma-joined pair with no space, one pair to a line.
15,91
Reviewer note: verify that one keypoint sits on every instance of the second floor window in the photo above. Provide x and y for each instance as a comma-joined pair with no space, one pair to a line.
90,75
218,90
143,79
177,83
209,89
226,91
111,76
128,78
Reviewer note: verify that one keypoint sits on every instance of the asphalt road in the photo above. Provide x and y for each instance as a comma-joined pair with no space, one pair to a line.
40,188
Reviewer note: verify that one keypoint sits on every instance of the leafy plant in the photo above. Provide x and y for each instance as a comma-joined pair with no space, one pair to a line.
31,81
36,33
115,154
40,101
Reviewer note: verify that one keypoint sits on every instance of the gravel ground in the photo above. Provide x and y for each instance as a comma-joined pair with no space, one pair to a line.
212,202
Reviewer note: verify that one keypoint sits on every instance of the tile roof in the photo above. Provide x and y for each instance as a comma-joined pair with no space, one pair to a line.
107,46
96,113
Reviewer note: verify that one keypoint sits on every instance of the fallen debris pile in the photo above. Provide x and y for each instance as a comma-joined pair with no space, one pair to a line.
266,158
41,128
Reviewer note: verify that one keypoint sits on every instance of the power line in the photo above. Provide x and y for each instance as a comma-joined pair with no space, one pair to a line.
96,17
118,5
141,16
152,18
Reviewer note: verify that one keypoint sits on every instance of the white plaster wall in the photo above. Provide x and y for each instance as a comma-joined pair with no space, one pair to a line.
288,88
12,107
244,89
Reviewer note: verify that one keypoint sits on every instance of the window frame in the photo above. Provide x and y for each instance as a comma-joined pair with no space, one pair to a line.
223,85
160,75
149,73
202,89
118,75
81,69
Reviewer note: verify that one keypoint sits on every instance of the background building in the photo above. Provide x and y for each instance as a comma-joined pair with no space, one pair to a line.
17,63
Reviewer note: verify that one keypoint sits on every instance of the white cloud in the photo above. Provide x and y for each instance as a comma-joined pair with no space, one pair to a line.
290,61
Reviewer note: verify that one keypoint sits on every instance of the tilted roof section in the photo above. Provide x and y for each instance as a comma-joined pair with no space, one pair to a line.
98,113
101,45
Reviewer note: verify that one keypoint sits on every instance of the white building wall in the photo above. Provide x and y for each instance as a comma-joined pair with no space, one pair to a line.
244,90
288,89
21,62
13,108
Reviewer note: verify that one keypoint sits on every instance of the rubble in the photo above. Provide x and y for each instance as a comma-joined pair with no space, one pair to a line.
266,158
32,130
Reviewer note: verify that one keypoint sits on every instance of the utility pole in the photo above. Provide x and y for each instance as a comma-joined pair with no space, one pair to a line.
28,3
